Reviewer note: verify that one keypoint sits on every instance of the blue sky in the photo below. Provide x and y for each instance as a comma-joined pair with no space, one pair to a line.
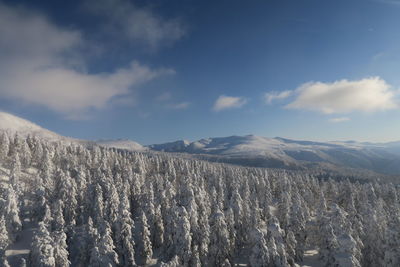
157,71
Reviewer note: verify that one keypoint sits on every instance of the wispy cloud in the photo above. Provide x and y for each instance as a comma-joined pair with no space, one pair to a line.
228,102
269,97
137,24
390,2
182,105
36,67
166,96
344,96
168,101
340,119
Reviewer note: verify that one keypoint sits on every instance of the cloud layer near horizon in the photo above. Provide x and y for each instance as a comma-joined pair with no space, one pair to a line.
41,65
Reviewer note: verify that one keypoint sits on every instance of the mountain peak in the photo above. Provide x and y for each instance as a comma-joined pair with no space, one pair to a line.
14,124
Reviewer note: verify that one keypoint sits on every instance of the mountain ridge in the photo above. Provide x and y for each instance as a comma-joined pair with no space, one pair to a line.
248,150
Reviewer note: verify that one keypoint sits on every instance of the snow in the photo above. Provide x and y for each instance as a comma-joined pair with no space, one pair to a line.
177,146
273,210
257,151
21,248
291,190
14,124
4,175
122,144
311,259
250,145
251,150
243,145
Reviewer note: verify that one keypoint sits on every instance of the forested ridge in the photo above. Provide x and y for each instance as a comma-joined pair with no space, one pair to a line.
103,207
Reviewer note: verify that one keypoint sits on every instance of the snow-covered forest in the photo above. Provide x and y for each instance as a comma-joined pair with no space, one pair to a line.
103,207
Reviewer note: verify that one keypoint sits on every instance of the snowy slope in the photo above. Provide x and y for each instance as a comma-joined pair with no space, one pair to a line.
285,153
122,144
251,145
14,124
241,145
248,150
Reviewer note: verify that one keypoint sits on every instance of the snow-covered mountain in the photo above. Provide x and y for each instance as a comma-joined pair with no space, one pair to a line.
248,145
248,150
285,153
284,217
122,144
14,124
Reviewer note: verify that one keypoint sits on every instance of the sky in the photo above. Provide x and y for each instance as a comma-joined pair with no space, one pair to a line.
155,71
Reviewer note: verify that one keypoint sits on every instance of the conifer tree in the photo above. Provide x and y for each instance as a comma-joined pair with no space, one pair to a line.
392,248
145,246
219,240
60,249
58,221
15,173
259,256
42,252
328,245
4,240
103,253
124,234
12,216
182,237
4,146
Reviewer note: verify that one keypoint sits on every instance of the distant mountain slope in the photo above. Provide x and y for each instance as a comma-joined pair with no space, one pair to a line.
279,152
122,144
251,145
248,150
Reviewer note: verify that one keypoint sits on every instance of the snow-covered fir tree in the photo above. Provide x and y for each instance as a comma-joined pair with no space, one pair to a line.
92,206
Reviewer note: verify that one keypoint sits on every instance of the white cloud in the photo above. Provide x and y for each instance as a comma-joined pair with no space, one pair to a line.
26,34
340,119
38,66
167,99
271,96
182,105
366,95
228,102
135,23
70,92
164,97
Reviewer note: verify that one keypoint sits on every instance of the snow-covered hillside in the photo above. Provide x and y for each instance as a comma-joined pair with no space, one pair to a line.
13,124
122,144
252,145
279,152
248,150
66,205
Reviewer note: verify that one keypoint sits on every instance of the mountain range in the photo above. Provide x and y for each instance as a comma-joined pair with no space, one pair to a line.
255,151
